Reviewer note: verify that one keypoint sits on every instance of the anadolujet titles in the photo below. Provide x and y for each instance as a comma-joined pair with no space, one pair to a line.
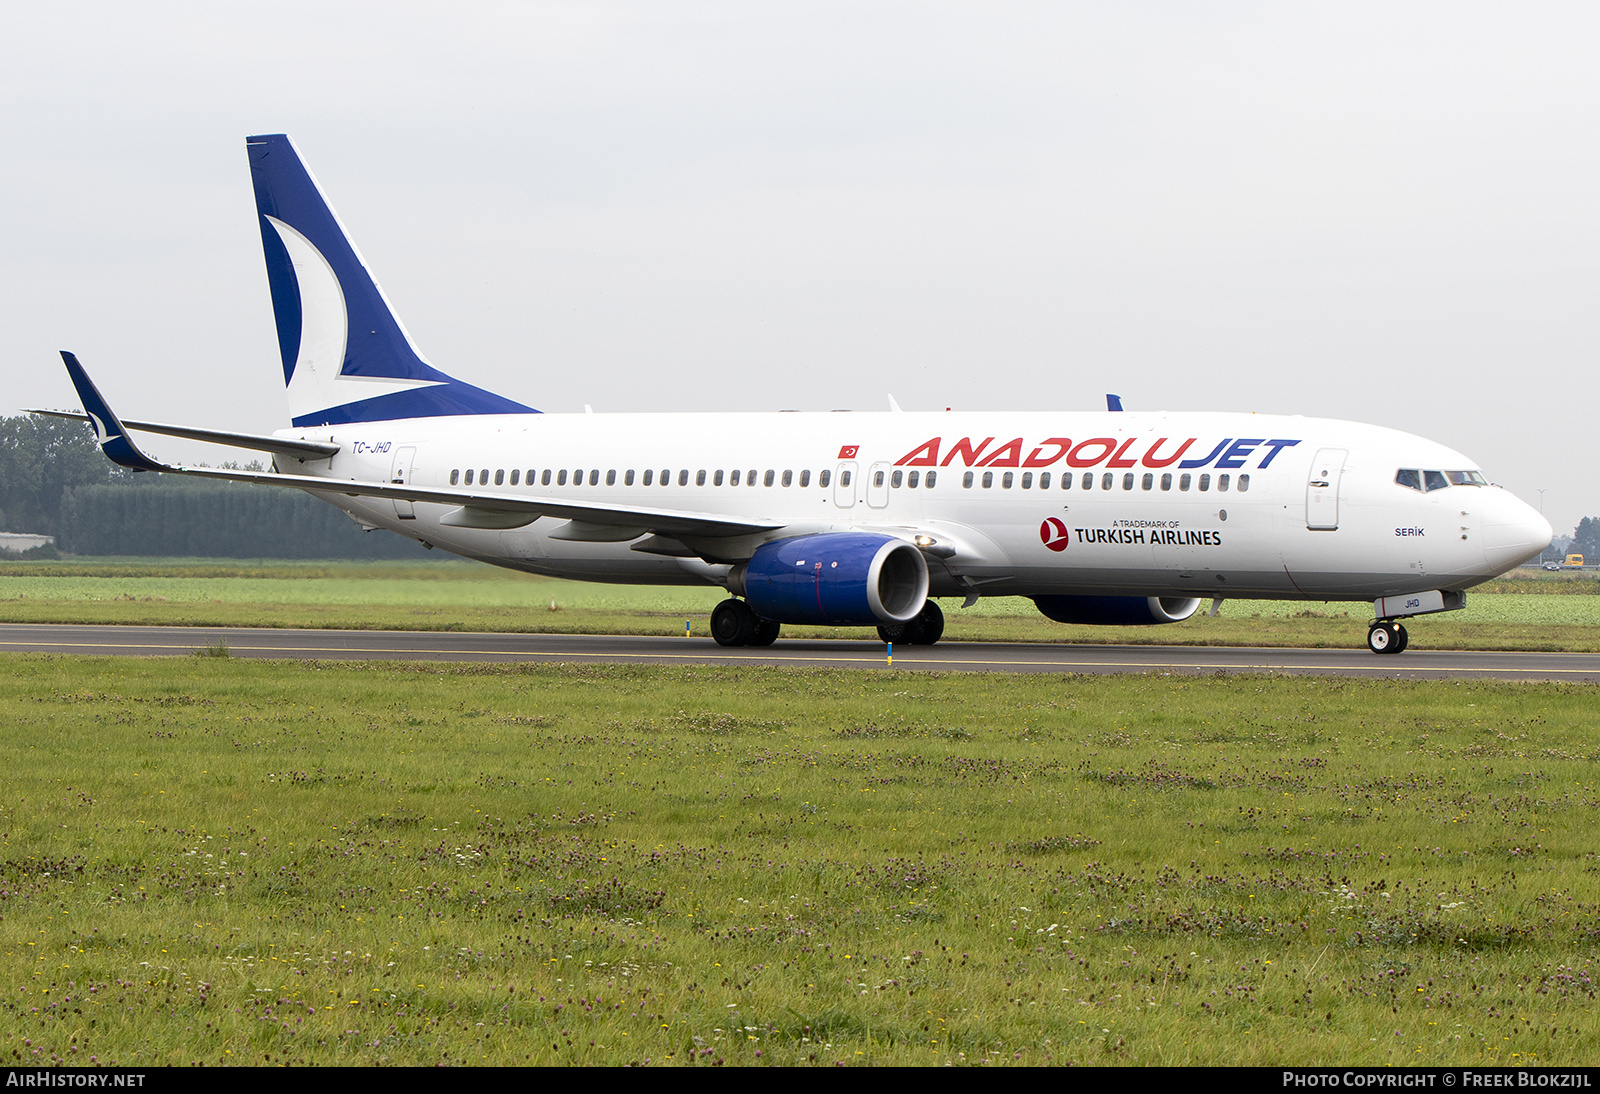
847,519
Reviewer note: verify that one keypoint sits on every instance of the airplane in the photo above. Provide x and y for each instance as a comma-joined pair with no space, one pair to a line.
842,518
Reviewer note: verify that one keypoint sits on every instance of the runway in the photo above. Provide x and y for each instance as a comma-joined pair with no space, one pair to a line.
1414,664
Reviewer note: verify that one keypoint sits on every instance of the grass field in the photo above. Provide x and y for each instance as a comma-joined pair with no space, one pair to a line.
219,861
1541,612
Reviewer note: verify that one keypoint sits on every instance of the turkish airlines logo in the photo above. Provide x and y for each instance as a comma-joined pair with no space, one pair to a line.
848,452
1053,534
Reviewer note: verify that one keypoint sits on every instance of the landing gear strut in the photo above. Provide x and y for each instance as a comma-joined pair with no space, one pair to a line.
1387,636
924,629
733,623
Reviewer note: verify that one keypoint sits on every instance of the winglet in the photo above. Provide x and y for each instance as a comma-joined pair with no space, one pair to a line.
108,430
1113,402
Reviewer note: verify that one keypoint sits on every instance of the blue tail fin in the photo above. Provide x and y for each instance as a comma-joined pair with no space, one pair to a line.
346,357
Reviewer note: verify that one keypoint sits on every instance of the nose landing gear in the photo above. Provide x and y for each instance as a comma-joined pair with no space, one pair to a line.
1387,636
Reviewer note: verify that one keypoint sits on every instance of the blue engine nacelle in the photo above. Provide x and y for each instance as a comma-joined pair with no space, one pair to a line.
847,578
1123,611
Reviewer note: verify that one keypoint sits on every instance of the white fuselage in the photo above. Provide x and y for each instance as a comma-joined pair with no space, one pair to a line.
1270,507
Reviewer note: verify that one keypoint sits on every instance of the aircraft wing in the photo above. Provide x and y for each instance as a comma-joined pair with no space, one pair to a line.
278,446
479,508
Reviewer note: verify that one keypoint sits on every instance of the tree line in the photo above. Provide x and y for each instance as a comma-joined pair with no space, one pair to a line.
54,480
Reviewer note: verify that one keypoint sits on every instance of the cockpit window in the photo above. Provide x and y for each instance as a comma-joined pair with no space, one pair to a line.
1413,479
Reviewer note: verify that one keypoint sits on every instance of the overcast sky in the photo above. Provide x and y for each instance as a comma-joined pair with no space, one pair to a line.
1382,212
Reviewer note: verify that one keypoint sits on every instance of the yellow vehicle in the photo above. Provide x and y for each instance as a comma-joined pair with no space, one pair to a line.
1573,562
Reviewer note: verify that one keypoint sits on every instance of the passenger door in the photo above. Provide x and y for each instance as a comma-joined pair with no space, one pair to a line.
1322,490
400,475
844,485
878,485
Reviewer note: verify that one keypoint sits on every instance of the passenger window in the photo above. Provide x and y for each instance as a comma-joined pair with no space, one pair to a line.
611,478
1433,480
966,481
1148,481
822,479
750,479
483,477
933,476
500,477
594,477
896,479
1088,481
805,478
716,479
1183,482
455,477
1244,483
683,477
666,477
1044,480
911,480
844,478
648,475
627,479
1166,482
988,479
1205,482
771,476
1106,480
700,478
561,477
733,478
1127,481
1027,480
544,479
1005,481
515,476
530,476
1222,483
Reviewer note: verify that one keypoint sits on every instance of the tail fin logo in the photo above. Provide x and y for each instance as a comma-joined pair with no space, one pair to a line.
100,434
318,380
346,355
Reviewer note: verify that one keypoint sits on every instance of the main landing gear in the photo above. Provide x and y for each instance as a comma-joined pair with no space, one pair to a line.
734,624
924,629
1387,636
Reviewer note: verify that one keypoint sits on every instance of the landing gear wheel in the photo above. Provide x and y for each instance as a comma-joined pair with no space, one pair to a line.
766,633
733,623
923,629
928,627
1387,636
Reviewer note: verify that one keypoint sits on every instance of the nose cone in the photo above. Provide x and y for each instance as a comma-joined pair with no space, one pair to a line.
1513,531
